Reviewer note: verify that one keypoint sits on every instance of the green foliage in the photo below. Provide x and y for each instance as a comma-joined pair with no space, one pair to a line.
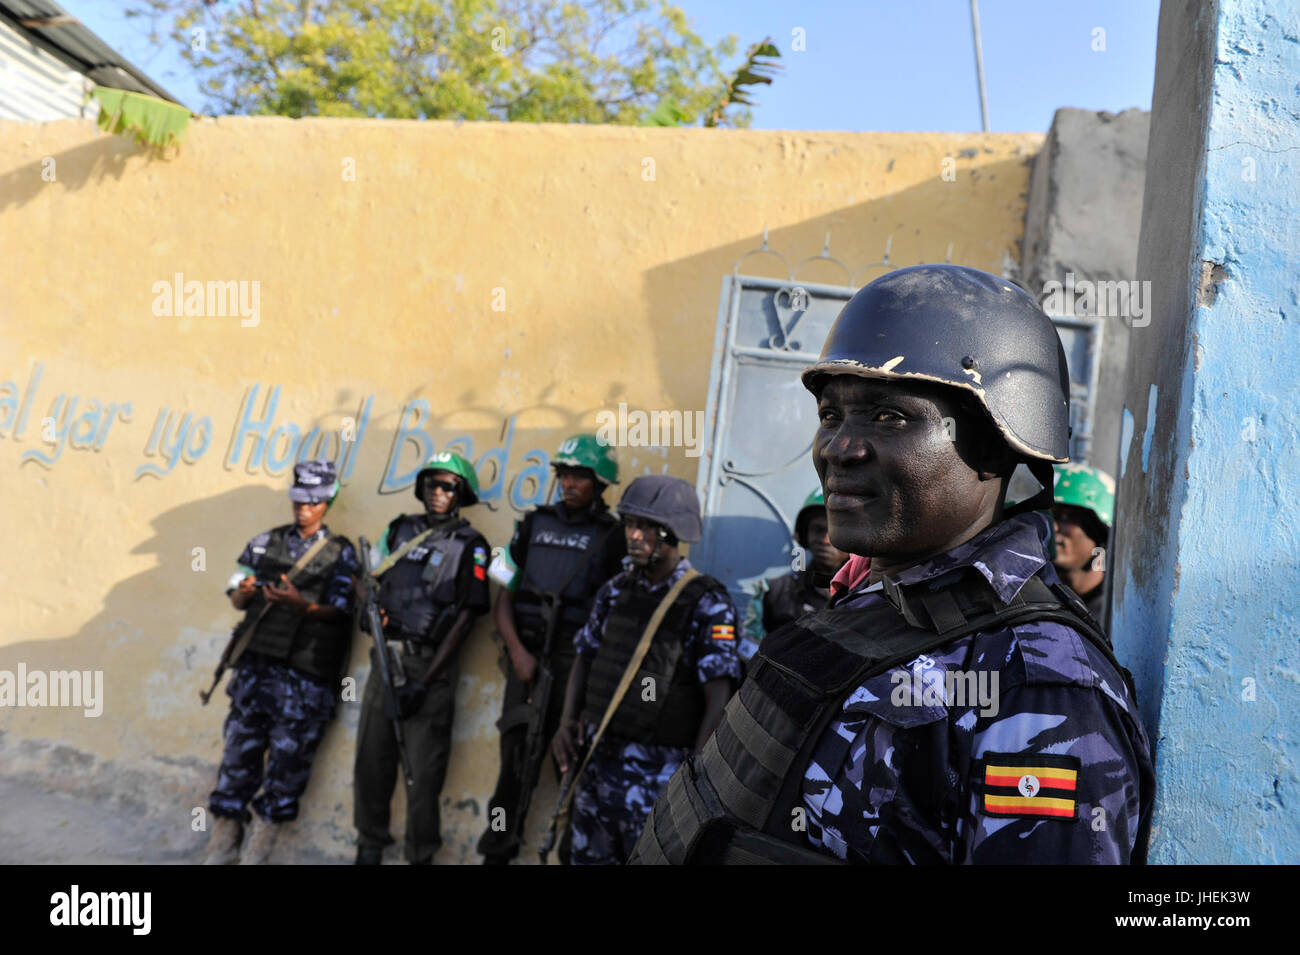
146,119
753,72
598,61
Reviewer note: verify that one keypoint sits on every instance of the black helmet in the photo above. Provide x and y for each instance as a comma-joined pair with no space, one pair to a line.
957,326
666,500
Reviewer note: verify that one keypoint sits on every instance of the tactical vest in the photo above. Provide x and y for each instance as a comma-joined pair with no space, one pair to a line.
422,585
733,803
1095,601
560,552
673,717
787,598
316,647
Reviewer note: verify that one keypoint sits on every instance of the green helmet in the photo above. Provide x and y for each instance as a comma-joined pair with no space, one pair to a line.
1081,486
456,464
813,502
587,451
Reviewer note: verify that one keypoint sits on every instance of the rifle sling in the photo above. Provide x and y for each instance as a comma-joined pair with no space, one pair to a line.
302,562
638,655
401,552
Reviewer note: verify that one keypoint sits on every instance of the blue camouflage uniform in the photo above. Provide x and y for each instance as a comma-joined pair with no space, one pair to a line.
904,775
278,714
623,779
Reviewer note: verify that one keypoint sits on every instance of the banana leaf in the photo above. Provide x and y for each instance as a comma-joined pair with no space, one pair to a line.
146,119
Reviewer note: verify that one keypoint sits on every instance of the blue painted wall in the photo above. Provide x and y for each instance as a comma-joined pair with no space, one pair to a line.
1208,592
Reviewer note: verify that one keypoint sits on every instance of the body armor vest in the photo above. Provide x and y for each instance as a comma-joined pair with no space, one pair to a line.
422,585
789,598
673,717
732,804
560,551
316,647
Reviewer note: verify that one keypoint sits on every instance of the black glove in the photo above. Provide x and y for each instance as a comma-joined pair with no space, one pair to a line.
410,697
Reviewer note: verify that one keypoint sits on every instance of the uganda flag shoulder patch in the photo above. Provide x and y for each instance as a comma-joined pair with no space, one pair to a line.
1036,786
723,631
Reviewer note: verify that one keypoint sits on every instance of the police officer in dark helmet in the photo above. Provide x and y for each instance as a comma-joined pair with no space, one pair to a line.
779,600
935,381
675,695
286,682
433,584
568,548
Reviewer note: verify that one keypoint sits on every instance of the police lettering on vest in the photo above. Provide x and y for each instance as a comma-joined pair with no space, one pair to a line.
561,554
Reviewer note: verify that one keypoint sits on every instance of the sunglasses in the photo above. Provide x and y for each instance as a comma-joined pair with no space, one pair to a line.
450,487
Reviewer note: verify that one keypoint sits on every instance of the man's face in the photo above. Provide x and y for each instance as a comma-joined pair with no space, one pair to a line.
305,514
577,487
439,492
826,556
1074,548
897,485
642,536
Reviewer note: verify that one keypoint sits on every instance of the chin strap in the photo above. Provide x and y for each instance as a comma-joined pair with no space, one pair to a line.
1045,475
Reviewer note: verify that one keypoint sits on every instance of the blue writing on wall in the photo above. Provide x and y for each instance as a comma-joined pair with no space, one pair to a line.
408,429
187,438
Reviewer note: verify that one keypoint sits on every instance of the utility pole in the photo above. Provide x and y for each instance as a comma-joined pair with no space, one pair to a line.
979,63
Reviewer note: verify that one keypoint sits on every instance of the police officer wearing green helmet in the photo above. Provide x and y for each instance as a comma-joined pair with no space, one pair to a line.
432,585
563,551
779,600
1082,517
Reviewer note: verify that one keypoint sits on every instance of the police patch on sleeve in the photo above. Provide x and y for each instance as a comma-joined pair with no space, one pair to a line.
1030,786
480,563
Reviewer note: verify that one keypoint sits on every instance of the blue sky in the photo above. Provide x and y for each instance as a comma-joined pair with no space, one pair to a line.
870,65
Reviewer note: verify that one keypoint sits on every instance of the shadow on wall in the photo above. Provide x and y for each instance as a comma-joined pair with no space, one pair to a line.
925,223
105,157
153,752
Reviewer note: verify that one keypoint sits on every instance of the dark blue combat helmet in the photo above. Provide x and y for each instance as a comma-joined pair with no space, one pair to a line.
979,333
666,500
313,482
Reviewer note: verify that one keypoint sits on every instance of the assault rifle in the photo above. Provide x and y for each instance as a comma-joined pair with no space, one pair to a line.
536,742
368,607
233,649
561,804
224,663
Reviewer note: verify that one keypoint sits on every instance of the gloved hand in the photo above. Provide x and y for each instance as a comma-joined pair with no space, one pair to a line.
410,697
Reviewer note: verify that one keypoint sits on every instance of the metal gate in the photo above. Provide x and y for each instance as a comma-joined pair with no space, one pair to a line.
756,465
